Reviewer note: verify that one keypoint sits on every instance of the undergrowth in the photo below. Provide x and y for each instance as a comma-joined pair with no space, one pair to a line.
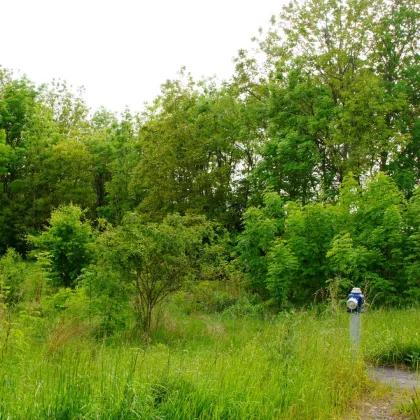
392,337
225,364
199,366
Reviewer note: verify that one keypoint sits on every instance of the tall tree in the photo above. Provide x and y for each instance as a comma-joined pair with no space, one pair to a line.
188,153
340,74
17,104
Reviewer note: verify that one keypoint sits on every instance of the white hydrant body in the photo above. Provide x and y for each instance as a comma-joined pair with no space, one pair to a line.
355,302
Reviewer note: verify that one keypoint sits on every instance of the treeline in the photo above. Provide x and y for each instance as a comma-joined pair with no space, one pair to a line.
308,158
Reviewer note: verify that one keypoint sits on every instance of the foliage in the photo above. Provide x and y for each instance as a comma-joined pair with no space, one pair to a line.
282,268
261,227
12,275
66,241
146,262
367,238
306,162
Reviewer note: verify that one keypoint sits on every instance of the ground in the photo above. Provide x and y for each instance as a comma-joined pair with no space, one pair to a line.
390,407
380,409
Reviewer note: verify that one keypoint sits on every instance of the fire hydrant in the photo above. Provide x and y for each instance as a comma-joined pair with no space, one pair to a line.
355,301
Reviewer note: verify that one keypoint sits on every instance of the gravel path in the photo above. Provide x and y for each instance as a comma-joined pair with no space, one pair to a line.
387,408
397,378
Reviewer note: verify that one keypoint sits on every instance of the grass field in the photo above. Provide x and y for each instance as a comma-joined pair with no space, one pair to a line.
221,366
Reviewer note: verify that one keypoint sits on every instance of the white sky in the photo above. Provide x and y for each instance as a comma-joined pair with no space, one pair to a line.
122,51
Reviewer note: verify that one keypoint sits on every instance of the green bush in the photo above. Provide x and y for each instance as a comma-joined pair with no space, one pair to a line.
12,275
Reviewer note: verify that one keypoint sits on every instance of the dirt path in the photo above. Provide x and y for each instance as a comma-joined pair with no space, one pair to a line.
397,378
380,409
388,408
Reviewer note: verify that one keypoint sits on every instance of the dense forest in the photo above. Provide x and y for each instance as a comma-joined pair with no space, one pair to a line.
291,182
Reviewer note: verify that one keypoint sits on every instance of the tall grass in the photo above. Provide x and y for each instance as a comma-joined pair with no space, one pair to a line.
295,365
392,337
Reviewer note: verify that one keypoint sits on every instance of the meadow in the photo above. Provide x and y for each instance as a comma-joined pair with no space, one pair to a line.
236,363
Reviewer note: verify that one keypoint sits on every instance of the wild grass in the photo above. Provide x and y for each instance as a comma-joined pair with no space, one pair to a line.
413,408
204,367
201,365
392,337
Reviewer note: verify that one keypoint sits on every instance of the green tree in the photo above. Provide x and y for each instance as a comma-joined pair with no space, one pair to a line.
396,61
146,262
262,225
123,154
297,159
341,81
68,176
189,153
371,247
66,240
308,234
283,248
412,258
349,263
102,149
12,275
68,108
17,104
281,273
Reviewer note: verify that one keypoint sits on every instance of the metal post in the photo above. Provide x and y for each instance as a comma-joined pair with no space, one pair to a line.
355,306
355,330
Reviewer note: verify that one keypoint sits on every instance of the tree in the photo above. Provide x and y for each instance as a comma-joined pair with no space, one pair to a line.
68,108
297,159
66,240
146,262
262,225
308,234
342,79
12,275
122,151
283,248
190,153
43,160
17,104
281,273
412,260
68,176
371,246
349,263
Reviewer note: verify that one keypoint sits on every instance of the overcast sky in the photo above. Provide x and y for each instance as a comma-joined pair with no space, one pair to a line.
122,51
